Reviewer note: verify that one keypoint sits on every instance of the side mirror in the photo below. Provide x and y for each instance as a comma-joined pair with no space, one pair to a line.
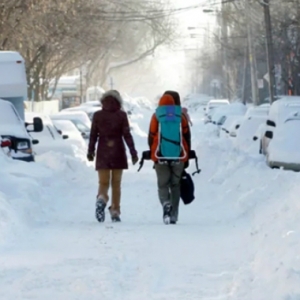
38,124
65,137
237,127
59,131
83,134
255,138
204,108
35,142
271,123
269,134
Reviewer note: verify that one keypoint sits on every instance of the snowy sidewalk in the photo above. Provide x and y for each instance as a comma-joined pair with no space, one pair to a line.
70,256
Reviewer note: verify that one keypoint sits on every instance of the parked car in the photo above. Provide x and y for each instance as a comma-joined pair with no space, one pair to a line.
94,103
259,135
234,126
89,110
246,131
232,112
5,145
66,127
211,106
78,118
278,113
261,110
283,150
15,130
49,139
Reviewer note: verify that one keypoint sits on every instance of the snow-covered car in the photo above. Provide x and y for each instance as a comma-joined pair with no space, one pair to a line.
66,127
13,128
279,111
259,135
211,106
246,131
93,103
196,102
283,150
261,110
224,116
227,125
5,145
78,118
235,125
89,110
49,138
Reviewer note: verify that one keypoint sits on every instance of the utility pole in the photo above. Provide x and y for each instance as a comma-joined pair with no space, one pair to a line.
270,49
225,57
245,75
252,56
81,84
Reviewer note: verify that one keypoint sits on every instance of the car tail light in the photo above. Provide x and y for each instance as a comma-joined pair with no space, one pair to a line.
5,143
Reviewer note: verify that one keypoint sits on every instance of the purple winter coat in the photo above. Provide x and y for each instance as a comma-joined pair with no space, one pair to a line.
110,127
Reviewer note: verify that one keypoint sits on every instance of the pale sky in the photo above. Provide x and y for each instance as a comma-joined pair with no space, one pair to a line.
194,18
174,66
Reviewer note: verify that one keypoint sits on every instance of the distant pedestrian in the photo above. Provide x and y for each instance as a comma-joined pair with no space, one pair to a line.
185,112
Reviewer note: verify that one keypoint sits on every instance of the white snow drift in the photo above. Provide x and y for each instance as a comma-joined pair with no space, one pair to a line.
239,240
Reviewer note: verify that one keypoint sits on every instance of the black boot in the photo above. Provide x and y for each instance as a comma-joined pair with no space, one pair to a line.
167,213
114,216
116,219
100,210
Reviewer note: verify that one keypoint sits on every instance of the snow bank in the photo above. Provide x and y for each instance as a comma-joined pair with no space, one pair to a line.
135,105
20,194
24,189
243,191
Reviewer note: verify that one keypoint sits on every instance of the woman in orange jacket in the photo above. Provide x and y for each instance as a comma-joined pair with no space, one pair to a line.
169,171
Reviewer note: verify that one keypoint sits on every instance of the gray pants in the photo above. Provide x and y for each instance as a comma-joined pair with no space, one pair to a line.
168,181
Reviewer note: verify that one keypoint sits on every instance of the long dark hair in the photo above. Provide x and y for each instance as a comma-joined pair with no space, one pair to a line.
175,96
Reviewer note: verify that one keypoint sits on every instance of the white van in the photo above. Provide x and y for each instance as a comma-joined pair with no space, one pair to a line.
279,111
13,81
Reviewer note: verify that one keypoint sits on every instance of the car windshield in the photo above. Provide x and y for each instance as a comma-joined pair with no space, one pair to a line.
48,133
80,125
65,126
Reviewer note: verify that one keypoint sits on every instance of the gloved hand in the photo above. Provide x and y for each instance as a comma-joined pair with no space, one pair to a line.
134,160
90,156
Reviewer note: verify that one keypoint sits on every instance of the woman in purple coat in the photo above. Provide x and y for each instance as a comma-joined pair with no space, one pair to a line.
110,127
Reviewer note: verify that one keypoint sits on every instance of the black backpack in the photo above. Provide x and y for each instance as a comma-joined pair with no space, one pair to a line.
187,188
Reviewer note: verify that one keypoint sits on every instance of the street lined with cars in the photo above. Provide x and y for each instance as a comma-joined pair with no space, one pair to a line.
270,130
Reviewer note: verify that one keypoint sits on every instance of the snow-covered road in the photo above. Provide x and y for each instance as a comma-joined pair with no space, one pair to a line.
67,255
222,248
